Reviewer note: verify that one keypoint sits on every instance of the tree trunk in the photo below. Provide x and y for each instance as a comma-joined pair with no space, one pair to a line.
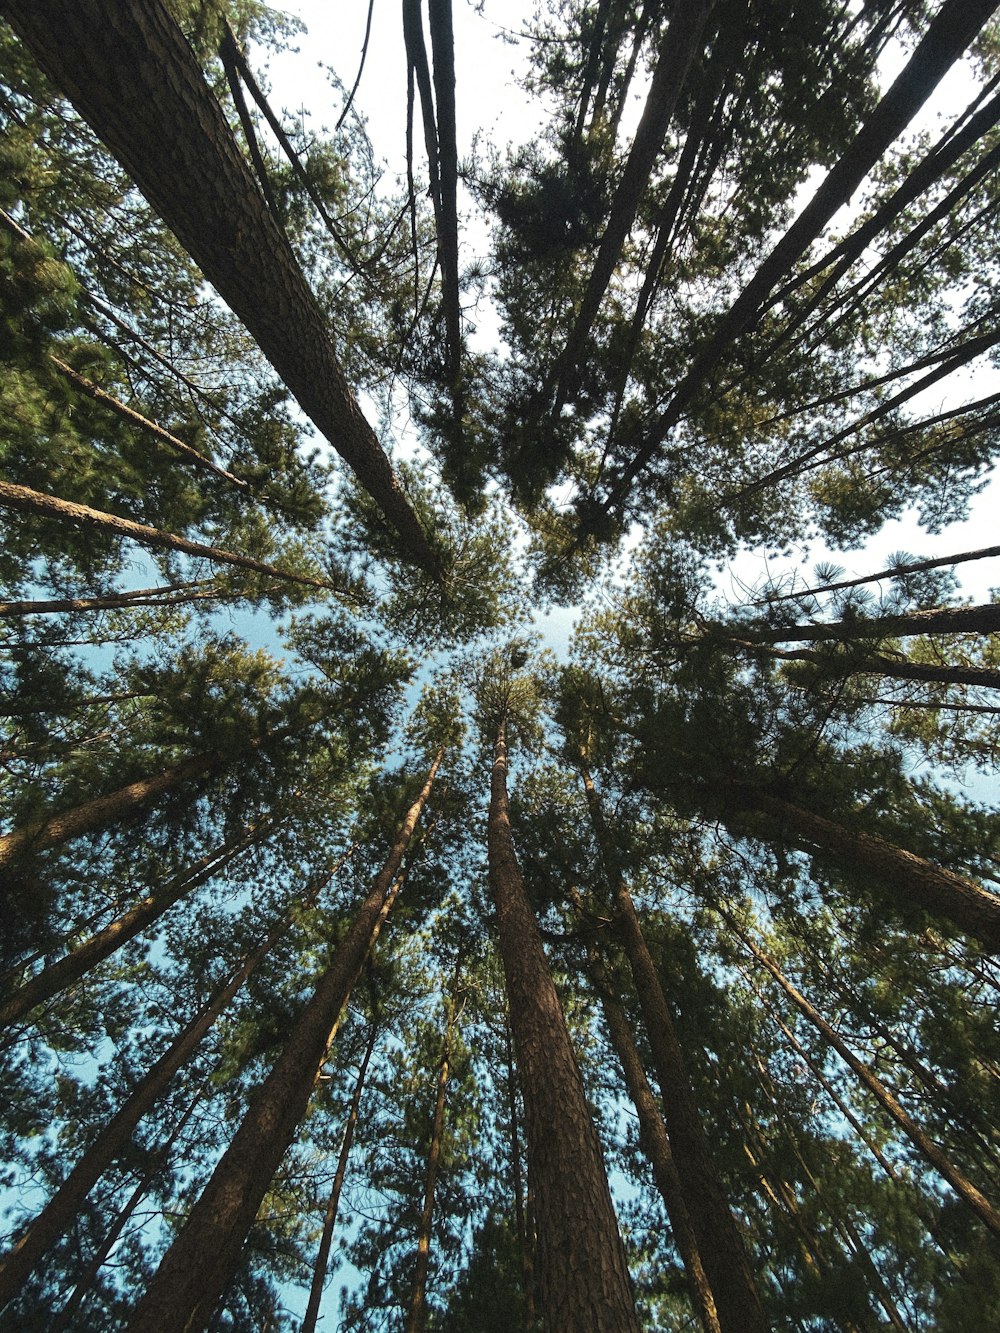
58,1214
134,418
894,571
100,813
908,879
132,76
929,1150
333,1203
62,973
582,1272
417,1316
27,501
152,1170
947,35
720,1245
197,1268
655,1144
941,620
524,1234
898,669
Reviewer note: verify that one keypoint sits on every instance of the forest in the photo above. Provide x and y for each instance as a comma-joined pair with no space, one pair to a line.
369,959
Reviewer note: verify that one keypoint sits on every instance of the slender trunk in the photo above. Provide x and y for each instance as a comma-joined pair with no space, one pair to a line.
443,49
929,1150
898,669
62,973
720,1245
655,1144
417,1316
582,1271
134,418
893,572
333,1203
163,595
908,879
58,1214
941,620
947,35
131,74
678,46
26,501
102,812
197,1268
146,1181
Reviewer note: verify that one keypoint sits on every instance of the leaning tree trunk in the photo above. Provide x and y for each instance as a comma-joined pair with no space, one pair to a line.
582,1272
983,619
58,1214
654,1143
924,1145
129,71
720,1245
908,879
200,1263
55,978
100,813
152,1169
26,501
333,1203
898,668
417,1316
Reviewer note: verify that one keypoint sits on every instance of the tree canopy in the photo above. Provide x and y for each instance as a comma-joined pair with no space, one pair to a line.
368,959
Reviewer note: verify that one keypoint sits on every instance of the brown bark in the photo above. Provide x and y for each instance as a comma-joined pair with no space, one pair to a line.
908,879
333,1203
929,1150
198,1266
948,34
61,974
580,1260
132,76
102,812
417,1315
26,501
525,1241
58,1213
983,619
443,49
720,1245
655,1144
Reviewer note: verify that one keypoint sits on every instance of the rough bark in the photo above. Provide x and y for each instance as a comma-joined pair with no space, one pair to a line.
198,1266
927,1148
333,1203
26,501
580,1261
58,1214
908,879
102,812
654,1142
983,619
132,76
